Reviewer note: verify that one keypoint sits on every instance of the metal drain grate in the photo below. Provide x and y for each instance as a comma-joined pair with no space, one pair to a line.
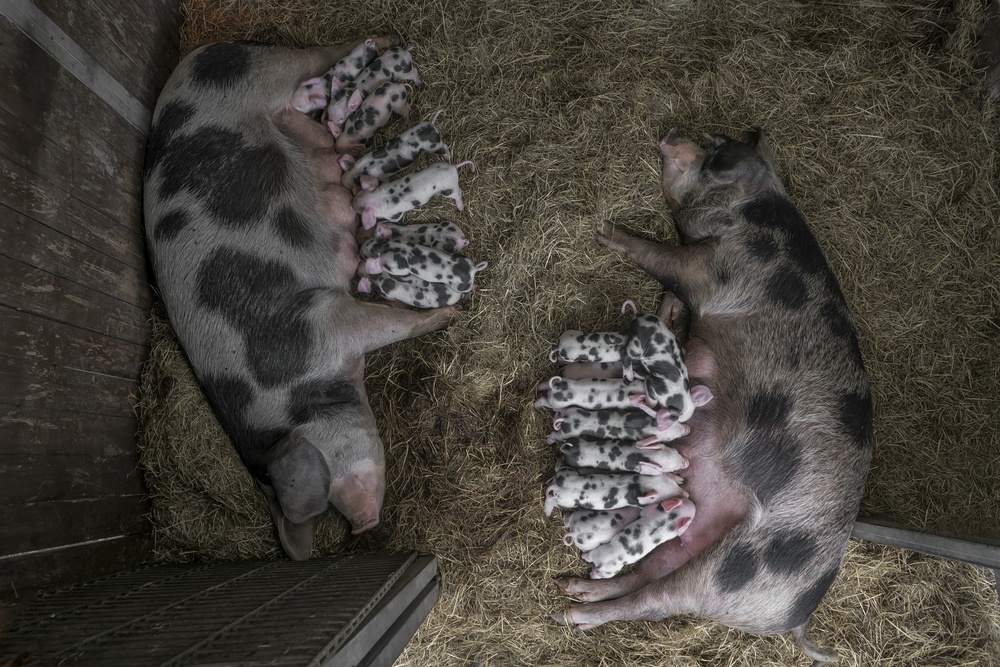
245,613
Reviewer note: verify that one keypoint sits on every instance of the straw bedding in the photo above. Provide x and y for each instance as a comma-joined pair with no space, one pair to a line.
887,145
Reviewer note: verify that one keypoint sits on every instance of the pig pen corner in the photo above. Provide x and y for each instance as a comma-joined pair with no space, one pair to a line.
883,137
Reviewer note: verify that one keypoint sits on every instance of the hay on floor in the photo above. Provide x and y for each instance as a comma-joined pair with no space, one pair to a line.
886,143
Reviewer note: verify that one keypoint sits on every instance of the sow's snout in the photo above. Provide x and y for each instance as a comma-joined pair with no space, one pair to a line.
359,495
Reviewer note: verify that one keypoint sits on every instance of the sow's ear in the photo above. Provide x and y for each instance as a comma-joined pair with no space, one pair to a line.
298,497
755,139
300,477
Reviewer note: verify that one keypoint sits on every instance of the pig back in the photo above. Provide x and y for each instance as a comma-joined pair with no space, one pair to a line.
791,424
244,252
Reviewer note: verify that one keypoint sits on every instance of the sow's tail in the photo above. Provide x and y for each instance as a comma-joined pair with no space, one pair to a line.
819,656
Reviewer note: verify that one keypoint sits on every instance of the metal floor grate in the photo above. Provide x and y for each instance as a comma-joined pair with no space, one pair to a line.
245,613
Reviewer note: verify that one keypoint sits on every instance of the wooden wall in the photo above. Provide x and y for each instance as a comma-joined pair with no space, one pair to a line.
74,292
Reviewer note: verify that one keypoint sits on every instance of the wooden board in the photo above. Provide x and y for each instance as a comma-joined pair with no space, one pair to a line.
74,288
131,40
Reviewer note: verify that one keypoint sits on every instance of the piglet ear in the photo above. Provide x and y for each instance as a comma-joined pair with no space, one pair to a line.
368,218
355,100
479,267
701,395
368,183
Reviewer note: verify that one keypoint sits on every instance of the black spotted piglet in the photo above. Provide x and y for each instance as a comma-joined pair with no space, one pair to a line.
571,489
410,290
373,113
394,199
401,258
443,235
397,154
589,529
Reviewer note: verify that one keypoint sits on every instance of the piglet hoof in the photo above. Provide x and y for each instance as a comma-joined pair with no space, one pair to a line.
542,402
675,477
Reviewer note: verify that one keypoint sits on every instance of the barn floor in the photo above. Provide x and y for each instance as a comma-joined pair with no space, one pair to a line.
885,140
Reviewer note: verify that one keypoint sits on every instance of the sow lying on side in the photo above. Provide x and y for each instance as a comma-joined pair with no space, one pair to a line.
778,459
252,239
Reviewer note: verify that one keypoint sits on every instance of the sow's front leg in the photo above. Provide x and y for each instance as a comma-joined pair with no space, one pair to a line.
686,270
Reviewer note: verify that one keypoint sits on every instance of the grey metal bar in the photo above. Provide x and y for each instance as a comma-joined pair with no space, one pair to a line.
884,532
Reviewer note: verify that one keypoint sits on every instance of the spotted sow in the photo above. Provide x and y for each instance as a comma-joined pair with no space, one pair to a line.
252,241
778,458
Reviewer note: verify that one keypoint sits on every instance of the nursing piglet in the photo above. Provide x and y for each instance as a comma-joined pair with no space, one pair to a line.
401,258
591,393
589,529
578,347
252,240
780,456
410,290
350,67
616,425
374,112
571,489
620,456
656,524
392,200
443,235
397,154
651,352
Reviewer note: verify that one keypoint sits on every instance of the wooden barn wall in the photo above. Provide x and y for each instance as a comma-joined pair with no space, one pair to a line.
74,293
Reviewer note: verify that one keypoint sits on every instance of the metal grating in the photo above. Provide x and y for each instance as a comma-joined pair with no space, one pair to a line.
246,613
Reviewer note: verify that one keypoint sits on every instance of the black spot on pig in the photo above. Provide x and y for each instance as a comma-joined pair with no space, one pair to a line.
786,288
292,229
789,551
427,133
769,409
173,117
222,64
736,570
230,398
802,246
446,192
762,248
314,398
768,462
807,601
773,212
170,225
229,395
854,411
836,318
262,300
236,181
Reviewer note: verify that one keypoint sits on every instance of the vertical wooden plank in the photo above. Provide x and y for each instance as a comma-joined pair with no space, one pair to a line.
74,293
